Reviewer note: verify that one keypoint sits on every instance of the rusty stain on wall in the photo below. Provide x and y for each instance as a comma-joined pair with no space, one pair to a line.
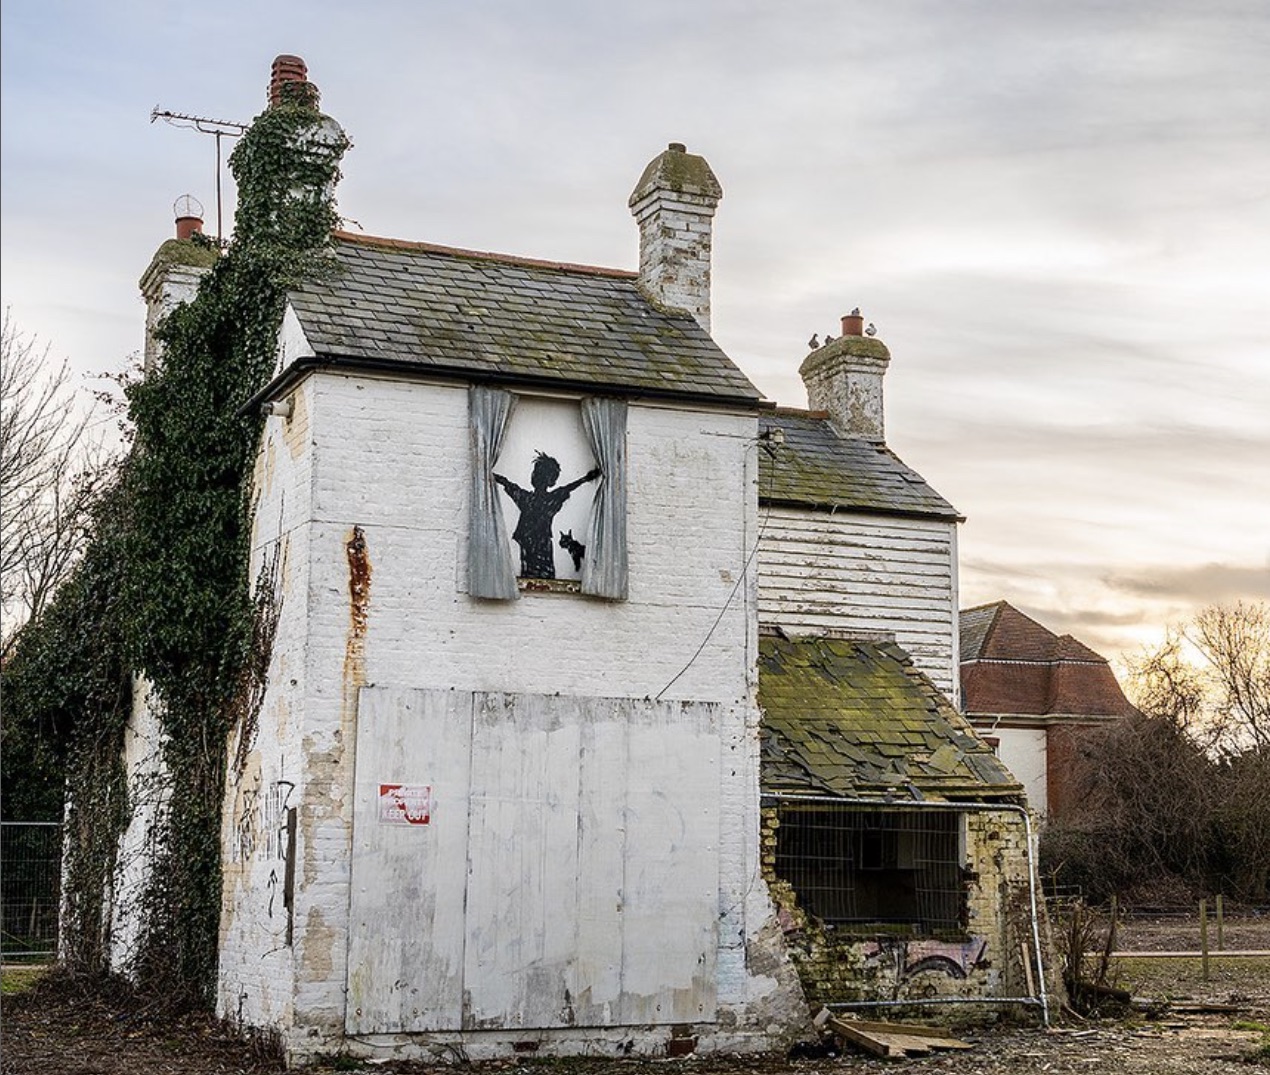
359,573
359,576
327,760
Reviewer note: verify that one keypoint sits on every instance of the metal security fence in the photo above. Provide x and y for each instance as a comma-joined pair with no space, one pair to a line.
30,888
866,867
892,868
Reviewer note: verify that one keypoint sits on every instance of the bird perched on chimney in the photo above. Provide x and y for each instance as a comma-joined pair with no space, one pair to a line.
828,339
869,330
814,342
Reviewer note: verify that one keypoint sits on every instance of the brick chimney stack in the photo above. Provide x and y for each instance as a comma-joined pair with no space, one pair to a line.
844,377
175,272
674,203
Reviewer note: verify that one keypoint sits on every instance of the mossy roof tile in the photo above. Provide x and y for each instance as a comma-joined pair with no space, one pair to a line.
815,466
432,309
822,732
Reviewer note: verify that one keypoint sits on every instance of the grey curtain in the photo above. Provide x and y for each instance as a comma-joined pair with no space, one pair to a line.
604,570
490,569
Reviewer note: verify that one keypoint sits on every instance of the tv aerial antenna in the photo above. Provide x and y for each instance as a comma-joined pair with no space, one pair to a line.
218,128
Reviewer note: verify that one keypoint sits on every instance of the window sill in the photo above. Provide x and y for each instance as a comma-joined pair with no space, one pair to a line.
549,585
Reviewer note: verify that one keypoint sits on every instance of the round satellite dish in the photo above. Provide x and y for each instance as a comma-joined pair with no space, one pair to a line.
187,206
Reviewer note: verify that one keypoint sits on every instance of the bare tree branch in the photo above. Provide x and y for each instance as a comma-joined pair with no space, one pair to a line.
1235,641
1179,793
51,473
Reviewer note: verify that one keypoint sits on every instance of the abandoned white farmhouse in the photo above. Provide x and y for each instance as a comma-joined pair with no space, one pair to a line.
541,551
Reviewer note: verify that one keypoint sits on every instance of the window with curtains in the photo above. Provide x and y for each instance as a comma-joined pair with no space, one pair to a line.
548,495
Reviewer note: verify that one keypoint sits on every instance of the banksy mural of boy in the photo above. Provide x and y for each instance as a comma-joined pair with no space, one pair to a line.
538,508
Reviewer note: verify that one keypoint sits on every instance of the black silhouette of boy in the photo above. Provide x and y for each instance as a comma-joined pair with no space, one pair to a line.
538,507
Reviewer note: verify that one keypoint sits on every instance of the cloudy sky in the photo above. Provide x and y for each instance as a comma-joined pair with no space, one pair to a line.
1057,214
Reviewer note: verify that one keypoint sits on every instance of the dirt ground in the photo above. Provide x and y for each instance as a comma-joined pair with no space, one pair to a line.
61,1028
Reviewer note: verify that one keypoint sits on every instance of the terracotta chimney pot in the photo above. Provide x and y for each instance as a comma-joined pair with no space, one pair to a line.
853,323
286,69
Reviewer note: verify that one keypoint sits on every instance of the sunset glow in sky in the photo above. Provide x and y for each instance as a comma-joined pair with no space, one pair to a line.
1057,215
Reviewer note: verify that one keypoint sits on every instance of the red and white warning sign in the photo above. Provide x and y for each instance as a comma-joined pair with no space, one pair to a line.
405,804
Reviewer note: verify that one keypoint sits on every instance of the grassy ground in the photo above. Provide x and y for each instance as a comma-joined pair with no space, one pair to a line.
15,980
1233,980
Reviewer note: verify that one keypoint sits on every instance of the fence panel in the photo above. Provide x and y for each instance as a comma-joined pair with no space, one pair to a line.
30,889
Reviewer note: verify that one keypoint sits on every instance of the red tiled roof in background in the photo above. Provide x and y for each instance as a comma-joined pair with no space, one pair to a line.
1010,664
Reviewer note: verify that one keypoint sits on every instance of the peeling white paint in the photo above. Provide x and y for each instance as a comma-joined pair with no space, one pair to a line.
390,457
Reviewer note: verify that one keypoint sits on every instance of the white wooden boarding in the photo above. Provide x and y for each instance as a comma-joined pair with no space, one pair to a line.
568,873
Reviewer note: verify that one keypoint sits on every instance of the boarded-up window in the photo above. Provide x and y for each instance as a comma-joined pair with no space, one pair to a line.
567,873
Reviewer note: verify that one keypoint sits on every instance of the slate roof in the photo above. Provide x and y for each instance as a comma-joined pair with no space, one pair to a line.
816,467
436,310
1012,665
856,719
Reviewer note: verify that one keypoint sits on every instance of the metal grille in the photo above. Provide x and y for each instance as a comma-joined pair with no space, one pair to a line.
30,886
900,869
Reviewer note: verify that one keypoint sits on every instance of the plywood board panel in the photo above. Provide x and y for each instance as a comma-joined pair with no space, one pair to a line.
603,776
670,901
569,874
522,864
406,922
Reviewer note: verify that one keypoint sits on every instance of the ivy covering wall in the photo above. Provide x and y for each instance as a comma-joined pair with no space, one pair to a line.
164,591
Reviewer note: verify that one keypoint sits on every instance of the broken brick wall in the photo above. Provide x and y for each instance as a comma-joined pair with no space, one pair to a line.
841,964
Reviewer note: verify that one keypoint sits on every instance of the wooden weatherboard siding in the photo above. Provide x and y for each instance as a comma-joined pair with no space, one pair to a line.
568,874
864,574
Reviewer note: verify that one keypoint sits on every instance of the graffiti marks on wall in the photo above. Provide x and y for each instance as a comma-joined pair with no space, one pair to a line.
954,959
273,813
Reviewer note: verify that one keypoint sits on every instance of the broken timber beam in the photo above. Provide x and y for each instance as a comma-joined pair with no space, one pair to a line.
893,1040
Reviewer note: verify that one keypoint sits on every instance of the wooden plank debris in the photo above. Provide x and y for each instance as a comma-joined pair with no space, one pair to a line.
914,1030
1201,1007
893,1041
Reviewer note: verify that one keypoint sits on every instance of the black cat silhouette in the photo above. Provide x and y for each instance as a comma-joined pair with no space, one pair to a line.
573,547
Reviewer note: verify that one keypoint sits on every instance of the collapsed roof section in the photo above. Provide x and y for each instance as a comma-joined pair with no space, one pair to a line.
855,719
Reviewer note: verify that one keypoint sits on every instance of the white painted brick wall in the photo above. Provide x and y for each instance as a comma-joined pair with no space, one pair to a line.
147,798
256,966
675,235
164,290
391,457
